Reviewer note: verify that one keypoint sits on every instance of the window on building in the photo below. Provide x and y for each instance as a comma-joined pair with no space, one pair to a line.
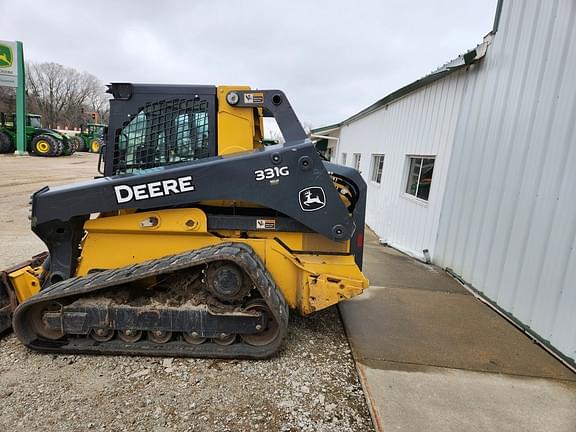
420,176
357,157
377,165
343,162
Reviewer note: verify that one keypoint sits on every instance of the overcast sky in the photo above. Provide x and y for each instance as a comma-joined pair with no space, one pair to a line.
332,58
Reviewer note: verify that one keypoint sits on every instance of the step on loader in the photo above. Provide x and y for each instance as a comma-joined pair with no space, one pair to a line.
197,240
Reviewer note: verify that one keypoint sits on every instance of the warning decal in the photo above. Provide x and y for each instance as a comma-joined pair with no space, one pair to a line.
265,224
254,98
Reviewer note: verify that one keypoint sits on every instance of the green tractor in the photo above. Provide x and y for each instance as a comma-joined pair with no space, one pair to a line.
39,141
90,138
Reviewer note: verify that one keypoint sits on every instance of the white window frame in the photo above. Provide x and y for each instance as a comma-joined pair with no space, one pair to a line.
343,158
375,159
407,175
356,160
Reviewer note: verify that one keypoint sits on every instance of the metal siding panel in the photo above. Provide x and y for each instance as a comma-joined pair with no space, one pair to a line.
498,85
489,257
517,177
454,96
442,234
527,260
555,165
511,177
475,175
508,224
455,183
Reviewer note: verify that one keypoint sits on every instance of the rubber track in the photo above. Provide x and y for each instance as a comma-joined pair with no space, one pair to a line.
239,253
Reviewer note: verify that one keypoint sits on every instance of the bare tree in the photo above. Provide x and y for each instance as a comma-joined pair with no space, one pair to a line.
99,102
62,95
7,100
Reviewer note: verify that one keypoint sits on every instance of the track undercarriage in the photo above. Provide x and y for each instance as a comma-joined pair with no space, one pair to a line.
218,301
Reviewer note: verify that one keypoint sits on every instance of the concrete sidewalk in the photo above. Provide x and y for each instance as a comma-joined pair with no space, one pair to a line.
434,358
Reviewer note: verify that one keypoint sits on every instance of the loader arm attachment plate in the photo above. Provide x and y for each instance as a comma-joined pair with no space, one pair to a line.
8,293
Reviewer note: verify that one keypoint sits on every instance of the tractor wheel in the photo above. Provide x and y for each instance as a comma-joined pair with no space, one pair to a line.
68,148
6,144
95,145
45,145
77,143
60,148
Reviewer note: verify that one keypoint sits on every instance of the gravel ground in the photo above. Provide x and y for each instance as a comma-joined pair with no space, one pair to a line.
311,385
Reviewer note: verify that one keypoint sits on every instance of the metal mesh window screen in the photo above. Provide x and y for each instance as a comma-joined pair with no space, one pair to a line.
162,133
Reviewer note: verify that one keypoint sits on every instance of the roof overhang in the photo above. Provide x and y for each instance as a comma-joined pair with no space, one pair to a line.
461,62
326,129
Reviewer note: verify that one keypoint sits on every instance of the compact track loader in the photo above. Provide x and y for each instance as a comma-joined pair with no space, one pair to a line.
197,239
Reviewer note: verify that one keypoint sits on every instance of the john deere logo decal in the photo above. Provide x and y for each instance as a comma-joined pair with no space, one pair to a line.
5,56
312,198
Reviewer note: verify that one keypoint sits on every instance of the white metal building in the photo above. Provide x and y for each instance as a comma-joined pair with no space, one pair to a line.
473,166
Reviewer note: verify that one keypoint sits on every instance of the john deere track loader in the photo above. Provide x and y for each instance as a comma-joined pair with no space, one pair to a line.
197,240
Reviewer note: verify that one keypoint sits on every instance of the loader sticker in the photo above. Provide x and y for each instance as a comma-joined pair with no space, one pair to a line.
265,224
127,193
6,57
253,98
312,198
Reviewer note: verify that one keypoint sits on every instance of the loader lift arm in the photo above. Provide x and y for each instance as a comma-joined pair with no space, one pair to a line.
60,226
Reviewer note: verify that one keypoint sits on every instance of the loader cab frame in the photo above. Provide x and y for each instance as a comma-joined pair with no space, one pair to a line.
152,126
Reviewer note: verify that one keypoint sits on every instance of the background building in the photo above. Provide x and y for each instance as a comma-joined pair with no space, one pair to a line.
472,167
